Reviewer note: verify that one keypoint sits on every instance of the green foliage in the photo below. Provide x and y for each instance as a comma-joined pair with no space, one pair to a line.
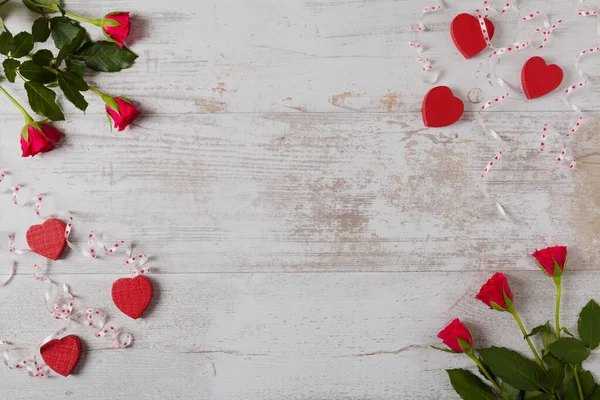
43,57
40,30
42,10
569,350
589,325
43,101
23,45
33,72
10,69
105,56
555,374
469,386
64,30
72,85
513,368
509,393
7,43
45,72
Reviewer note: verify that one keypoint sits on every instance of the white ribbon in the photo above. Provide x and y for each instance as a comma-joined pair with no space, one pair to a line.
429,73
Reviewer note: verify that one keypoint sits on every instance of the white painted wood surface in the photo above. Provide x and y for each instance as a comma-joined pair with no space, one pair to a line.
310,236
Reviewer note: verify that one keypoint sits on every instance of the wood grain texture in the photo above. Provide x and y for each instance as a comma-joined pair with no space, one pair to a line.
307,336
309,236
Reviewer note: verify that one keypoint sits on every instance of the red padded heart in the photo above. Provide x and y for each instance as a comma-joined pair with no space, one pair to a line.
539,79
467,35
62,355
132,295
48,239
441,108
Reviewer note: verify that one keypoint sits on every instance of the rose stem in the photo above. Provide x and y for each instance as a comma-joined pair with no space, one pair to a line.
16,103
557,281
533,350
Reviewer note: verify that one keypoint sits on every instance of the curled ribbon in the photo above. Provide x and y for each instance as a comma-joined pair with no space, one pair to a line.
430,72
61,306
61,303
31,365
566,149
546,32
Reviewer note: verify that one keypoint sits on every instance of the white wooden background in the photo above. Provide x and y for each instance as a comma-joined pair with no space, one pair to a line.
310,236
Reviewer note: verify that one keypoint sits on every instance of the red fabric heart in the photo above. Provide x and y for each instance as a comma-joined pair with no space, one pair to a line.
48,239
441,108
62,355
539,79
467,35
132,295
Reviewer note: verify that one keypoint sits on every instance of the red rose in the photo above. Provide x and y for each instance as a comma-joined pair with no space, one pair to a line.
116,27
493,292
38,138
124,114
454,331
551,256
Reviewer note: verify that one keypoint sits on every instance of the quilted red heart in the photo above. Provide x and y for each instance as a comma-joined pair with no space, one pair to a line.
132,295
539,79
48,239
467,34
441,108
62,355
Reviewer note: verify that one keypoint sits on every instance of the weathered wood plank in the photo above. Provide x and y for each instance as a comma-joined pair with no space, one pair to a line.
343,56
307,336
316,192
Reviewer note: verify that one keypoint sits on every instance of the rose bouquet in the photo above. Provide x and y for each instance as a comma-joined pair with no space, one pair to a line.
45,71
556,372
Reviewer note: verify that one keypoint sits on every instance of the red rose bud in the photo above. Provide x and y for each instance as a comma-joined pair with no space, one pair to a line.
550,258
495,293
37,137
453,332
116,27
122,112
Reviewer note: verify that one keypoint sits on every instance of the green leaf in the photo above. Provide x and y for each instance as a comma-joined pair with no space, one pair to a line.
34,72
596,394
71,85
548,337
555,374
589,325
10,69
105,56
469,386
570,390
64,30
23,45
513,368
2,26
41,10
482,361
444,350
43,101
509,393
588,385
7,43
40,30
538,329
539,396
71,46
80,71
565,330
532,395
43,57
569,350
